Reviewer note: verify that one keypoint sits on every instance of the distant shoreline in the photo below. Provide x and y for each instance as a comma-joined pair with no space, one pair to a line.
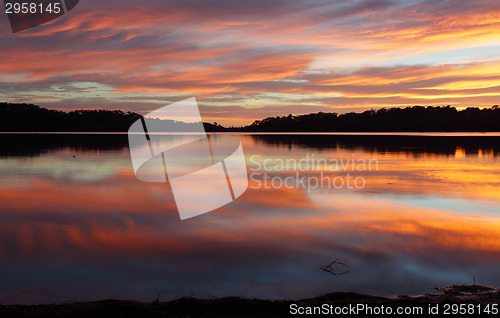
33,118
312,133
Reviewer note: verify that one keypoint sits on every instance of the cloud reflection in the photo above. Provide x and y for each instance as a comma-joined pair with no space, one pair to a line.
401,234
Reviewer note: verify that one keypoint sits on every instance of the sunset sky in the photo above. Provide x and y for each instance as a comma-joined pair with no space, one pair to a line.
246,60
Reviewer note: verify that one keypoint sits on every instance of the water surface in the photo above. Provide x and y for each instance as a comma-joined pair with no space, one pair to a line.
76,225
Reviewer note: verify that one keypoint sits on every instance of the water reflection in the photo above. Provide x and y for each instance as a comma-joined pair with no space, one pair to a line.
437,144
75,223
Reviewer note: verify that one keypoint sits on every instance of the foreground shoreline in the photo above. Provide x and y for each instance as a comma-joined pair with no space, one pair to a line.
477,297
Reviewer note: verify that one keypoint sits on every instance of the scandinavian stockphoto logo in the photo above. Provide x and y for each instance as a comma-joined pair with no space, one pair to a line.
205,171
27,14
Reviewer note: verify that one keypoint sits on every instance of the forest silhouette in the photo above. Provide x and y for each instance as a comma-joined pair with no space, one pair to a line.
32,118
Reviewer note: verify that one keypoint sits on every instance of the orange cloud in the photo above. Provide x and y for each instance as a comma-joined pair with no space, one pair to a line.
299,58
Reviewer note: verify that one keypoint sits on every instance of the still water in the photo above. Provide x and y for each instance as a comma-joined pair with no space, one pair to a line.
422,212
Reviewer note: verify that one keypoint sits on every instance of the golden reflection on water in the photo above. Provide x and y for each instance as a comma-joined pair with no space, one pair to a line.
423,219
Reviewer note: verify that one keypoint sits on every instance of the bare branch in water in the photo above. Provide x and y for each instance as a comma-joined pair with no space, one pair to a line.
330,268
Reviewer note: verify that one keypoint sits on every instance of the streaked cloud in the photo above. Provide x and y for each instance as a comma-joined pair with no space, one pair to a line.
251,59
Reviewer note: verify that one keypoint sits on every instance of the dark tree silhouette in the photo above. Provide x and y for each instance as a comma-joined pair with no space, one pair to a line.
26,117
409,119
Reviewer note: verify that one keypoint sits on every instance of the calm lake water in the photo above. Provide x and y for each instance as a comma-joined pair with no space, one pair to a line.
421,212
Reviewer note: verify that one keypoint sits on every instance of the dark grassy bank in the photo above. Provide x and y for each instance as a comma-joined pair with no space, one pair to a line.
241,307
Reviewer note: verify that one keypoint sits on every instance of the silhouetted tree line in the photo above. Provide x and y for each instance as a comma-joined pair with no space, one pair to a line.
26,117
409,119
